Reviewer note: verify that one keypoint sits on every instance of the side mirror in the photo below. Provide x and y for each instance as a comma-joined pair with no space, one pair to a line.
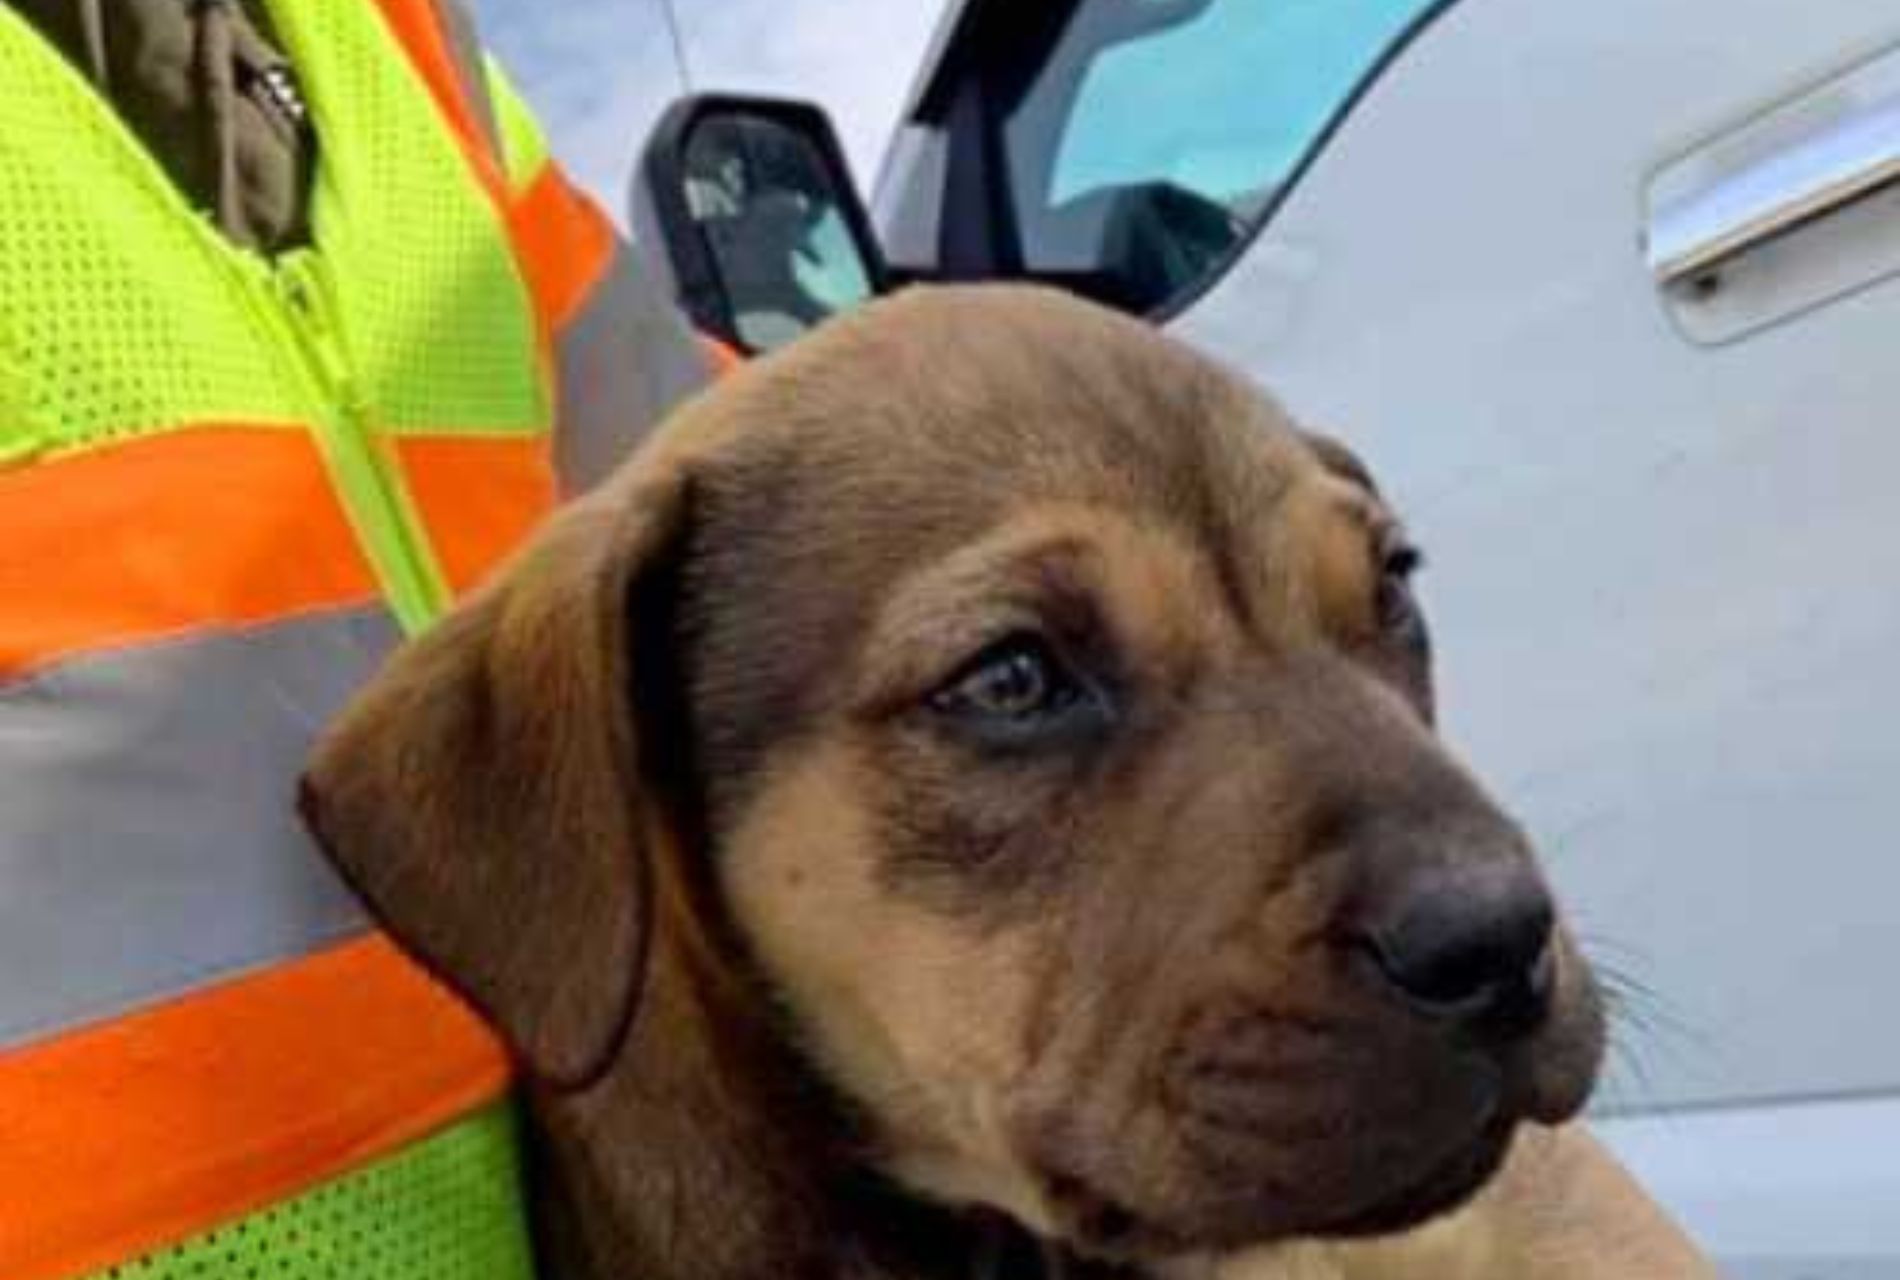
751,205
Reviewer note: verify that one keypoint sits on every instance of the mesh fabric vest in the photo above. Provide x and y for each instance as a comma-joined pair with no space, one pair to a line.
228,484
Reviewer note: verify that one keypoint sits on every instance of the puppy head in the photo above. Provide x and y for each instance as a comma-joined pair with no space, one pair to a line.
1052,723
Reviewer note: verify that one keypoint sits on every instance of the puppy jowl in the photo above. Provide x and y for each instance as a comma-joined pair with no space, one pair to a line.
1002,789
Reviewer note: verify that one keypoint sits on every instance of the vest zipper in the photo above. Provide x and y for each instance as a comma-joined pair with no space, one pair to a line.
365,473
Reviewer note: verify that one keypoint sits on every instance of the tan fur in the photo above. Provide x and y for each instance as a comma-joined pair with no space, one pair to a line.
856,966
813,974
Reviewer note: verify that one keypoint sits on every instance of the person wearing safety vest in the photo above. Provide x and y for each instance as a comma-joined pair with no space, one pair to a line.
300,331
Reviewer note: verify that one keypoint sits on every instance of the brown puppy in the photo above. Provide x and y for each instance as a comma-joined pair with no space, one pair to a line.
973,768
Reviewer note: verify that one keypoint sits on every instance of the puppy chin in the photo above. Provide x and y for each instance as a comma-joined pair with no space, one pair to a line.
1227,1212
1444,1189
1217,1179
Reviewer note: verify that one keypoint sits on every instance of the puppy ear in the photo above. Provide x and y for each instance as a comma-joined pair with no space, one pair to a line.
486,795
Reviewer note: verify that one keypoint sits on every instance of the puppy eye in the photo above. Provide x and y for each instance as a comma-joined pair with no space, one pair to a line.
1014,679
1015,693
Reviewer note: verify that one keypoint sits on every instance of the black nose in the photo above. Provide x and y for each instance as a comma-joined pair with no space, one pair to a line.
1471,946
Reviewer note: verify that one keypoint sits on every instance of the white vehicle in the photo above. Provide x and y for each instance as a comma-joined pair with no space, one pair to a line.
1604,291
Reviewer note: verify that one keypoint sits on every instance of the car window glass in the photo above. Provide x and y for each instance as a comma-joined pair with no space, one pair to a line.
1157,131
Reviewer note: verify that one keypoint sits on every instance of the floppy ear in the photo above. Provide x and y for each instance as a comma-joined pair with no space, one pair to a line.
486,796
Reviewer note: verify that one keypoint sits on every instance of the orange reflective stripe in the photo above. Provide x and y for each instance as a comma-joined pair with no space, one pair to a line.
221,524
564,241
479,495
417,27
141,1132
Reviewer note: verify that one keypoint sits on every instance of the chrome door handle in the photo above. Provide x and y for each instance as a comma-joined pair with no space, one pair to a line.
1851,157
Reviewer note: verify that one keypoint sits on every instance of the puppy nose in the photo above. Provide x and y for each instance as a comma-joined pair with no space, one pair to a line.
1471,947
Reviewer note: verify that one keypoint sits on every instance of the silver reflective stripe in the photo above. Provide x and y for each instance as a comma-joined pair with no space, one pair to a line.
624,361
149,841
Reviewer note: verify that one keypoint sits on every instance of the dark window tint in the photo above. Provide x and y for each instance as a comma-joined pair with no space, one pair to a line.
1156,132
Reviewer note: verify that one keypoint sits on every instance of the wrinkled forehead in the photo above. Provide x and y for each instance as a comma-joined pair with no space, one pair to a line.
889,441
930,414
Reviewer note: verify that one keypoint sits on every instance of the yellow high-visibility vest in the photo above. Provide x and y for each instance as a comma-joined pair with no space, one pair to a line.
228,483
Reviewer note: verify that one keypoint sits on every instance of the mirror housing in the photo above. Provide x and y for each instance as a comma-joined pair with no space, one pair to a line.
750,205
